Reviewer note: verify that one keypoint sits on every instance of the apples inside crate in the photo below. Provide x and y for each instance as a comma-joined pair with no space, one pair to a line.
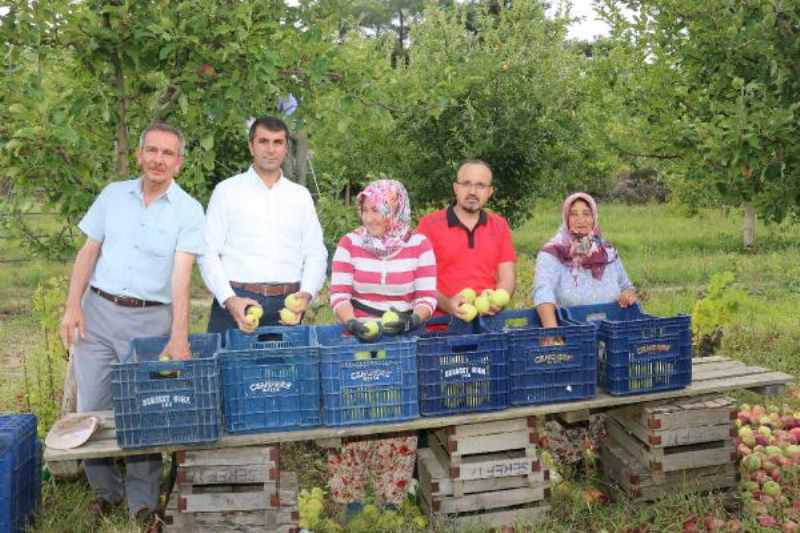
486,474
462,368
167,402
366,382
270,380
546,365
637,353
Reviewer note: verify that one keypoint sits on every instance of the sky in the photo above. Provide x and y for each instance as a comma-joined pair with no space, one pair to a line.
589,27
586,29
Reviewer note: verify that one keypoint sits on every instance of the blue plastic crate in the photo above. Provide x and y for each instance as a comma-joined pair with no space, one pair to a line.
462,369
268,337
540,373
270,380
638,353
170,402
20,471
366,383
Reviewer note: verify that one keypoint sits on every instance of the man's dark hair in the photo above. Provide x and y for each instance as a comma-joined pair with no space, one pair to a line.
271,124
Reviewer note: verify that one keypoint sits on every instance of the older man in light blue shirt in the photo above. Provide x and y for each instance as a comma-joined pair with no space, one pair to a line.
142,239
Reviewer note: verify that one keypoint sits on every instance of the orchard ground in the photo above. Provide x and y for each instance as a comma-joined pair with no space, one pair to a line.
670,257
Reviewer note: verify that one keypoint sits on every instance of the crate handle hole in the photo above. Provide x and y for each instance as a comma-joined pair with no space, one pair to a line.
465,348
521,322
166,374
269,337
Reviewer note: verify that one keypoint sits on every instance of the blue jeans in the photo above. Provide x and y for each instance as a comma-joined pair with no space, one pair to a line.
221,320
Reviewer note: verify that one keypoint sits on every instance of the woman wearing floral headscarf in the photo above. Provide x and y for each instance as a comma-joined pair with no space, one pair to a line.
382,265
578,267
379,266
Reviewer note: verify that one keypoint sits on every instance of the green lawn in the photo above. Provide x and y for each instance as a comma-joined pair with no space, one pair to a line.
669,256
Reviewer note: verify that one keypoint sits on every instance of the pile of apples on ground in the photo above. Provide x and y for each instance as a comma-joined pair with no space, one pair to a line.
768,445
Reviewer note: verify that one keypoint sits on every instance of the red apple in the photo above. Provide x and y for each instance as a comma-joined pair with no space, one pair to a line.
767,521
733,526
789,527
712,523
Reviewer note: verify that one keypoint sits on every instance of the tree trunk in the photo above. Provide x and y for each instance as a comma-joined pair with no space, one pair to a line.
121,136
749,227
301,157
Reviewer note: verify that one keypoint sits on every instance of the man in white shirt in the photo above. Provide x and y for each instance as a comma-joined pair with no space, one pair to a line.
264,240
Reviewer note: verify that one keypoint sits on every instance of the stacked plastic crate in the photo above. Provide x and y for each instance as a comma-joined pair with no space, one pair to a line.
637,353
167,402
270,380
20,471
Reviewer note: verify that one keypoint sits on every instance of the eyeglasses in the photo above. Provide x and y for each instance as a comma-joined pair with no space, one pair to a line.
480,187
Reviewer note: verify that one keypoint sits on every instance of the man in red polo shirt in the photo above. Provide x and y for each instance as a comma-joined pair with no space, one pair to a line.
473,246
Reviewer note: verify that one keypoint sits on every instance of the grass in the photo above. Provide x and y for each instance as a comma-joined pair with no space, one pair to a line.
669,256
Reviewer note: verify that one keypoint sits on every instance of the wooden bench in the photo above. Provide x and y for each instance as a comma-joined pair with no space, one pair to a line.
709,375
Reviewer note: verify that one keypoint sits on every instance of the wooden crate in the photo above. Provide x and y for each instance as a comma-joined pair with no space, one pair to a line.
487,473
694,449
660,448
639,483
679,422
237,489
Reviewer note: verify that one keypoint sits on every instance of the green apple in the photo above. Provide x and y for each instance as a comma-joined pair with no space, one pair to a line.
294,303
389,317
362,356
372,328
482,304
289,317
468,295
488,293
468,311
500,298
165,357
253,315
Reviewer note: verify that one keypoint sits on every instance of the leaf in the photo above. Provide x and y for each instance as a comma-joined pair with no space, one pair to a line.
183,103
207,142
166,51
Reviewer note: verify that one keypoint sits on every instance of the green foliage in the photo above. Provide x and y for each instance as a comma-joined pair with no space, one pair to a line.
336,219
81,80
711,90
718,306
45,366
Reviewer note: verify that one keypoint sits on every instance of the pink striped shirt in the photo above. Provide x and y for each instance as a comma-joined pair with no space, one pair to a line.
403,280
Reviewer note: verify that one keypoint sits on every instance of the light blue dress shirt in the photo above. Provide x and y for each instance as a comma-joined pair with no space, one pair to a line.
555,283
138,242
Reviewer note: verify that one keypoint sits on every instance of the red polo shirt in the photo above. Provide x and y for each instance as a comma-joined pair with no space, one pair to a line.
467,258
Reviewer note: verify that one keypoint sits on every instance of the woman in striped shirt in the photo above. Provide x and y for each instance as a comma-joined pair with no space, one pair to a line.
380,266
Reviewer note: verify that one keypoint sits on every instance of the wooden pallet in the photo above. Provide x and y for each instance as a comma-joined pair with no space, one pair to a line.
641,484
475,453
663,459
679,422
488,473
238,489
525,514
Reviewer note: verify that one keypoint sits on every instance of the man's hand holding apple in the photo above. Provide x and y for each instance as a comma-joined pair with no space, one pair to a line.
237,307
177,349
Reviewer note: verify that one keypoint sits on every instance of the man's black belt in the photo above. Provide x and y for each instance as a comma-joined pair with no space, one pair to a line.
124,301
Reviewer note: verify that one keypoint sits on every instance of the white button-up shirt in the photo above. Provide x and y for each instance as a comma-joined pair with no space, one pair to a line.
257,234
